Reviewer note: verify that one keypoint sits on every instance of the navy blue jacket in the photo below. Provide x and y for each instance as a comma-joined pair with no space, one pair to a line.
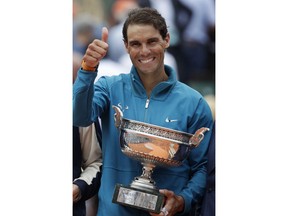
87,191
208,205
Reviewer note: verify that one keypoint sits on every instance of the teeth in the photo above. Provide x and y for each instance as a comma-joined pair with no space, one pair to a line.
146,61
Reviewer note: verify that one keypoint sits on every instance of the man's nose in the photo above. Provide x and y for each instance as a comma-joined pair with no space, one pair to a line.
145,49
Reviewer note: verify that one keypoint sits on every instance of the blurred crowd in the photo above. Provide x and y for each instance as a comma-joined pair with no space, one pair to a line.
191,24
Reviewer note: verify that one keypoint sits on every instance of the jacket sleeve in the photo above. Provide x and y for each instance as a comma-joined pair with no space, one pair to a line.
83,90
89,180
196,186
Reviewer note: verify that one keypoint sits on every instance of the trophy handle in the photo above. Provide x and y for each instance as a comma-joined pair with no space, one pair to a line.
117,116
195,140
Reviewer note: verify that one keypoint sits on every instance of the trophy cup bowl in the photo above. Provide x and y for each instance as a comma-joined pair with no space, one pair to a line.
153,146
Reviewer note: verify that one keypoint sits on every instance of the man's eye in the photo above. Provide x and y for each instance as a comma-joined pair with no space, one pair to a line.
135,45
152,43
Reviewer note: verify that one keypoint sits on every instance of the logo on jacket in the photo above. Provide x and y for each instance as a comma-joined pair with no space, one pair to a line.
170,120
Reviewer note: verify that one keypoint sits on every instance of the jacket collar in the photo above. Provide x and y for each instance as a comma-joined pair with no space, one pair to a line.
160,91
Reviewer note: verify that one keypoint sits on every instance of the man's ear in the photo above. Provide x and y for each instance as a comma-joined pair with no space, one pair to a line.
167,41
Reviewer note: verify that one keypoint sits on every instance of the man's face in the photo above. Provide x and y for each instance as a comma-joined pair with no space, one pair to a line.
146,48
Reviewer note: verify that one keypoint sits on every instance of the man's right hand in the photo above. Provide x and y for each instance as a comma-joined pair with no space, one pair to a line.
76,193
96,50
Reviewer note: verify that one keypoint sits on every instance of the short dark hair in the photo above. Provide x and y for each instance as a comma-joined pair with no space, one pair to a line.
147,16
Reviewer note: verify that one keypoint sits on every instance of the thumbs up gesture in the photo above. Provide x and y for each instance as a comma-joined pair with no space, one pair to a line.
96,50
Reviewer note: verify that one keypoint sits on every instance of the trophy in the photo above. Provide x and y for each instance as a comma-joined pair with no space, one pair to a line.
153,146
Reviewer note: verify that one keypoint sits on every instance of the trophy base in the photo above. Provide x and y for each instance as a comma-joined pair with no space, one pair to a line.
140,199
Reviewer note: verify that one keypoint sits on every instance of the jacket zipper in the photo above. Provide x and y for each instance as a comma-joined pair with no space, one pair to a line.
146,109
147,103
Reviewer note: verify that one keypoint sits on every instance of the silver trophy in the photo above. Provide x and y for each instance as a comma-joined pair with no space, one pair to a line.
153,146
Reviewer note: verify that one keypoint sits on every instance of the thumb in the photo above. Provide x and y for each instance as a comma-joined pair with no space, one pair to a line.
104,34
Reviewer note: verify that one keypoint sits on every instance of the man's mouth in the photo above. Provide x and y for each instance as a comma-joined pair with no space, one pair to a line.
145,61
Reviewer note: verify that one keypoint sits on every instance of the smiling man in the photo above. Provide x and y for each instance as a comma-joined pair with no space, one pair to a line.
146,48
150,93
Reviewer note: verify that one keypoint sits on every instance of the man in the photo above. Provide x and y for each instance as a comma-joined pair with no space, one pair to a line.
149,93
208,203
87,161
